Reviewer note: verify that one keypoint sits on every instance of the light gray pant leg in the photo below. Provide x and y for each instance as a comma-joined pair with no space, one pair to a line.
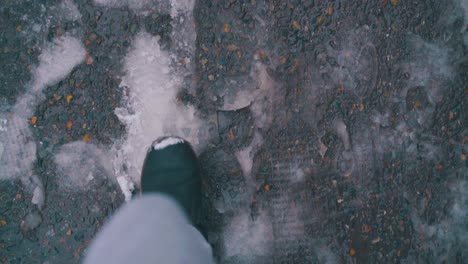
150,229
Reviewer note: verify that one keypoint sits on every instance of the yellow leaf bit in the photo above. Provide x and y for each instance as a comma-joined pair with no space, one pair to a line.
69,98
87,138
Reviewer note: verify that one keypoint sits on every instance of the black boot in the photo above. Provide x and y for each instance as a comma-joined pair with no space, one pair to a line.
171,167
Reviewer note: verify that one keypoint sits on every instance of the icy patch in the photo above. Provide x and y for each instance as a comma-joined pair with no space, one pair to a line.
117,3
3,124
126,186
56,61
176,7
181,6
19,149
359,61
31,221
262,97
244,236
297,174
1,150
78,163
355,68
141,6
464,6
136,5
342,132
429,65
183,36
264,103
449,237
241,99
151,109
69,10
325,255
38,196
245,159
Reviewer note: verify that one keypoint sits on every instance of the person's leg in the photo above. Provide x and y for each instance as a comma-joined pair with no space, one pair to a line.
150,229
158,227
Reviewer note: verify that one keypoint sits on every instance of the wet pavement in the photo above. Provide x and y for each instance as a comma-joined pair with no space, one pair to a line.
328,131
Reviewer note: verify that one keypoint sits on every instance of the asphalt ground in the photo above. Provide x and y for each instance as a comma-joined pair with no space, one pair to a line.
334,131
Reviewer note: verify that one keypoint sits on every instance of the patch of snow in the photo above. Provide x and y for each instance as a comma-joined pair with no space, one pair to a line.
151,110
126,186
141,6
342,133
181,6
242,99
244,236
167,142
3,124
261,95
55,62
78,161
38,196
31,221
464,7
448,236
429,66
297,174
69,10
245,159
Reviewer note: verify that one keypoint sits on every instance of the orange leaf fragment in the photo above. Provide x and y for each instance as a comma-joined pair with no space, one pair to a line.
367,228
34,120
227,28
